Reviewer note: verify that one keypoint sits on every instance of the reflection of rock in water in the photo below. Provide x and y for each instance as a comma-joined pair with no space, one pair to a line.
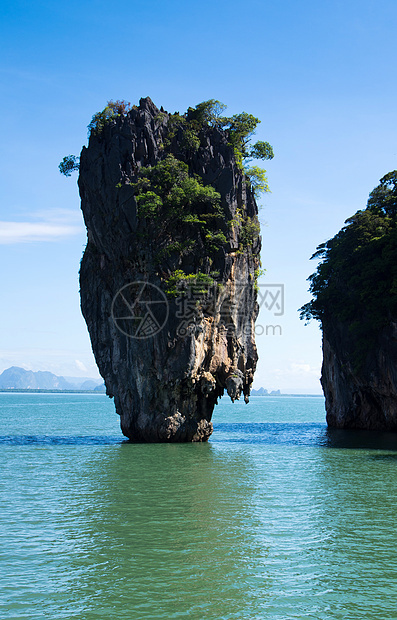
167,371
156,548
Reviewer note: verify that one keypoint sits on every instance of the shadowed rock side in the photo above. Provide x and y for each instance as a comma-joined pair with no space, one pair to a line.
166,382
365,396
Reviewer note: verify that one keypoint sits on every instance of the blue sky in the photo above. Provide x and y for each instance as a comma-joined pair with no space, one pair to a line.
320,76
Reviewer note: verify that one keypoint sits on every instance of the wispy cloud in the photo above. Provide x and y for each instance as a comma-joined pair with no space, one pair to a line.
59,215
302,368
50,225
297,368
81,366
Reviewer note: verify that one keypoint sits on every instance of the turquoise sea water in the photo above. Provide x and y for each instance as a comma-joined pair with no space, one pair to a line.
275,518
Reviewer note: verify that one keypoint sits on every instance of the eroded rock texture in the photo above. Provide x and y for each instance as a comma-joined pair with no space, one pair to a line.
359,395
166,375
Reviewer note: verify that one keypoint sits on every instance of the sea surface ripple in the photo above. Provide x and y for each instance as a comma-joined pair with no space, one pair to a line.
276,517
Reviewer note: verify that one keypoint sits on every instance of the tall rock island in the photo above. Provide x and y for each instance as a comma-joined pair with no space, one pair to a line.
355,298
168,277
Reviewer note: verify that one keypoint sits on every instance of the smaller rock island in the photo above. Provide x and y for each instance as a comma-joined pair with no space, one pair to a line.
355,299
168,279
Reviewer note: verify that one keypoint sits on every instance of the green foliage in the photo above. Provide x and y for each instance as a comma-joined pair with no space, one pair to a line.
176,211
190,141
356,281
240,129
149,203
261,150
189,128
167,187
161,116
383,199
175,122
215,240
178,280
357,264
237,219
171,198
207,113
112,110
259,273
180,247
250,230
191,218
257,179
69,164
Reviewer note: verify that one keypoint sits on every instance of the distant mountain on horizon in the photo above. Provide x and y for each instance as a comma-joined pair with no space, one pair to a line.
262,392
15,378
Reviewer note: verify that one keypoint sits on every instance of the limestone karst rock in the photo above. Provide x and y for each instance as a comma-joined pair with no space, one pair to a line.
355,298
169,297
365,396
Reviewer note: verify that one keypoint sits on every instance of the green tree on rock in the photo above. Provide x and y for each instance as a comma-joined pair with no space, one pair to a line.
355,284
240,129
383,199
69,164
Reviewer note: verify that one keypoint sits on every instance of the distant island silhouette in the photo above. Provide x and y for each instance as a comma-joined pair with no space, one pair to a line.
17,378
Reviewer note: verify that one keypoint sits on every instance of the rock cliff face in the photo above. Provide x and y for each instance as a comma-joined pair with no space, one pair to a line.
365,396
170,304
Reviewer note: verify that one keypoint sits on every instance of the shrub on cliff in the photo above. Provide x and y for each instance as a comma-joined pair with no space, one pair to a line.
168,189
69,164
240,129
383,199
112,110
178,205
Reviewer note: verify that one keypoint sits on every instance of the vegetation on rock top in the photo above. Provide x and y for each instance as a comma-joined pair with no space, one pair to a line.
112,110
240,129
356,281
183,216
167,189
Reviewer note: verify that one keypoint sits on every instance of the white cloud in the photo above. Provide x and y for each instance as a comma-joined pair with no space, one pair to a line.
25,232
291,376
51,225
302,368
58,215
81,366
